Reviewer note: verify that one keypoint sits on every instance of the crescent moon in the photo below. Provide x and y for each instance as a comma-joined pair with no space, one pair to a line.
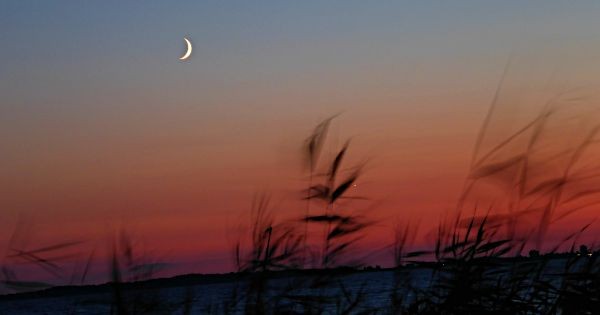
189,50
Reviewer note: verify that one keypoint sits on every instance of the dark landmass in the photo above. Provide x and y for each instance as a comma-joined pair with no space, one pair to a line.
177,281
204,279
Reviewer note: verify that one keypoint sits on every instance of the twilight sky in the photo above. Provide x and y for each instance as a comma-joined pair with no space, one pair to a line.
101,126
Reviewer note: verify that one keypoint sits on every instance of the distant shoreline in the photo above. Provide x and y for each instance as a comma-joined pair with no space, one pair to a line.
188,280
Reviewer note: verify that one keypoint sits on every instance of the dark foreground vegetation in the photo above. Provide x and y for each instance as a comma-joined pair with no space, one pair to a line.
476,263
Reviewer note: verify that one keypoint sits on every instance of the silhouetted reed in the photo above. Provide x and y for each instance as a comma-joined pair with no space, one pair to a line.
301,264
477,265
49,260
129,265
286,245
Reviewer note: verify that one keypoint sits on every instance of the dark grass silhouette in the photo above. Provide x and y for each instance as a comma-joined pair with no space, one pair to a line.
128,265
475,265
48,259
287,245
